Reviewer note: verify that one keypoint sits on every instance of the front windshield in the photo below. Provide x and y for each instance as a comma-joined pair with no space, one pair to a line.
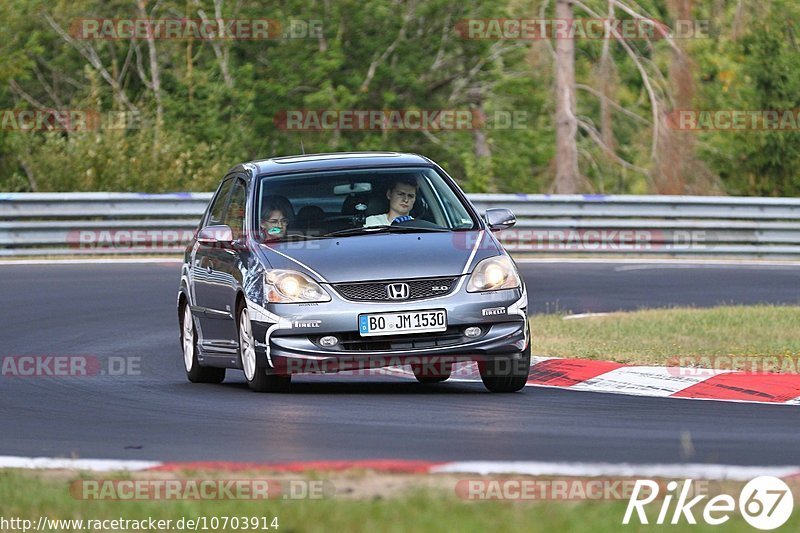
353,202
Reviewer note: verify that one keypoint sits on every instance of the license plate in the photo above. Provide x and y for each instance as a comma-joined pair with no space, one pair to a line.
399,323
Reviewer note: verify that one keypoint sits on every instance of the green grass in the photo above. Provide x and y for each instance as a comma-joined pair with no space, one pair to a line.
27,495
659,336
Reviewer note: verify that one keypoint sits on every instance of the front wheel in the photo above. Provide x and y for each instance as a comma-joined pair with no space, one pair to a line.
508,374
194,372
254,371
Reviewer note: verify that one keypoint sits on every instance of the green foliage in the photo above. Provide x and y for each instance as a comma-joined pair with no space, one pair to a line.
124,162
210,121
765,78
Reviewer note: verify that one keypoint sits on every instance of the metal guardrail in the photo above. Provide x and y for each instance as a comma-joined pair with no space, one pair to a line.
693,226
132,223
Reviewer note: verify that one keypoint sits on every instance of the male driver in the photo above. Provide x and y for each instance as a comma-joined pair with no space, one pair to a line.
402,195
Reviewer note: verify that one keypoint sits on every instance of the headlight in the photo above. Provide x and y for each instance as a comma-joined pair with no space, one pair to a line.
289,286
492,274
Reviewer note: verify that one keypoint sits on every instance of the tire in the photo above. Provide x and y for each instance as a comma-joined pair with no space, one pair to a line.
255,373
431,373
194,372
506,374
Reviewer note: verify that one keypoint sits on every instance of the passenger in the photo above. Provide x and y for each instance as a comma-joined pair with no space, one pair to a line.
401,195
275,223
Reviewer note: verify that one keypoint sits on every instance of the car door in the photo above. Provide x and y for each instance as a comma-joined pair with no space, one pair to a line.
207,282
228,265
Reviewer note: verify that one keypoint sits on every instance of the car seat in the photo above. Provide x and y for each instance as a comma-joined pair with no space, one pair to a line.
352,203
310,217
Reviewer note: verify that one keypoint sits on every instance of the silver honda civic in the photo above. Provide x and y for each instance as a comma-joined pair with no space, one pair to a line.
349,262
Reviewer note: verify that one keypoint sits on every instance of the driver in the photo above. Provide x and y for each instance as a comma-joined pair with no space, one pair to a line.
401,195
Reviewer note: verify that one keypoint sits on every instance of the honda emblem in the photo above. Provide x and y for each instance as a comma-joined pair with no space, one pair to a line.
398,291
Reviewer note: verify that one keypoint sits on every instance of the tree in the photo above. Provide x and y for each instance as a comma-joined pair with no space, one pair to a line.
760,160
570,125
567,173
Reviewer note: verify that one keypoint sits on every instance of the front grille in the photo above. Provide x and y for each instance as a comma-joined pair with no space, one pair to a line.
353,342
371,291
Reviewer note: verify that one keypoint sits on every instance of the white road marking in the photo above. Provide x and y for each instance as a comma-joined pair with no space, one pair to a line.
682,471
646,380
94,465
531,468
629,268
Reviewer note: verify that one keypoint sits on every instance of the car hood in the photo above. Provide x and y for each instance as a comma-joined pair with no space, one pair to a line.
383,256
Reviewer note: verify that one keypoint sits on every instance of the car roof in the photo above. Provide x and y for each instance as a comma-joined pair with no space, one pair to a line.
334,161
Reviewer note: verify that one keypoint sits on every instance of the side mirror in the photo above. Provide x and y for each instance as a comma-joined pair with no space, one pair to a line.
500,219
211,235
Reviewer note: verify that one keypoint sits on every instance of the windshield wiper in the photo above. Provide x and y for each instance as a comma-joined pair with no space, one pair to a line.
295,237
383,229
357,231
412,228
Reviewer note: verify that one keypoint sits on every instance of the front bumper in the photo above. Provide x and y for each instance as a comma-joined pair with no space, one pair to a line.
291,344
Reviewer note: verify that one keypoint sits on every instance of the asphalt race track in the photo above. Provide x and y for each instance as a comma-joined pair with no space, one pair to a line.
128,311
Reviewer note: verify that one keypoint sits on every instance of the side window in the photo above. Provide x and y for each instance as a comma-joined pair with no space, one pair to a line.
218,204
235,214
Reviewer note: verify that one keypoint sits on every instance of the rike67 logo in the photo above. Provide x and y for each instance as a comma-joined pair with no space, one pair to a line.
765,503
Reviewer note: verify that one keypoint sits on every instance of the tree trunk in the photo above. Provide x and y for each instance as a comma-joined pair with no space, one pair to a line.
567,174
480,143
189,62
155,78
675,157
606,73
